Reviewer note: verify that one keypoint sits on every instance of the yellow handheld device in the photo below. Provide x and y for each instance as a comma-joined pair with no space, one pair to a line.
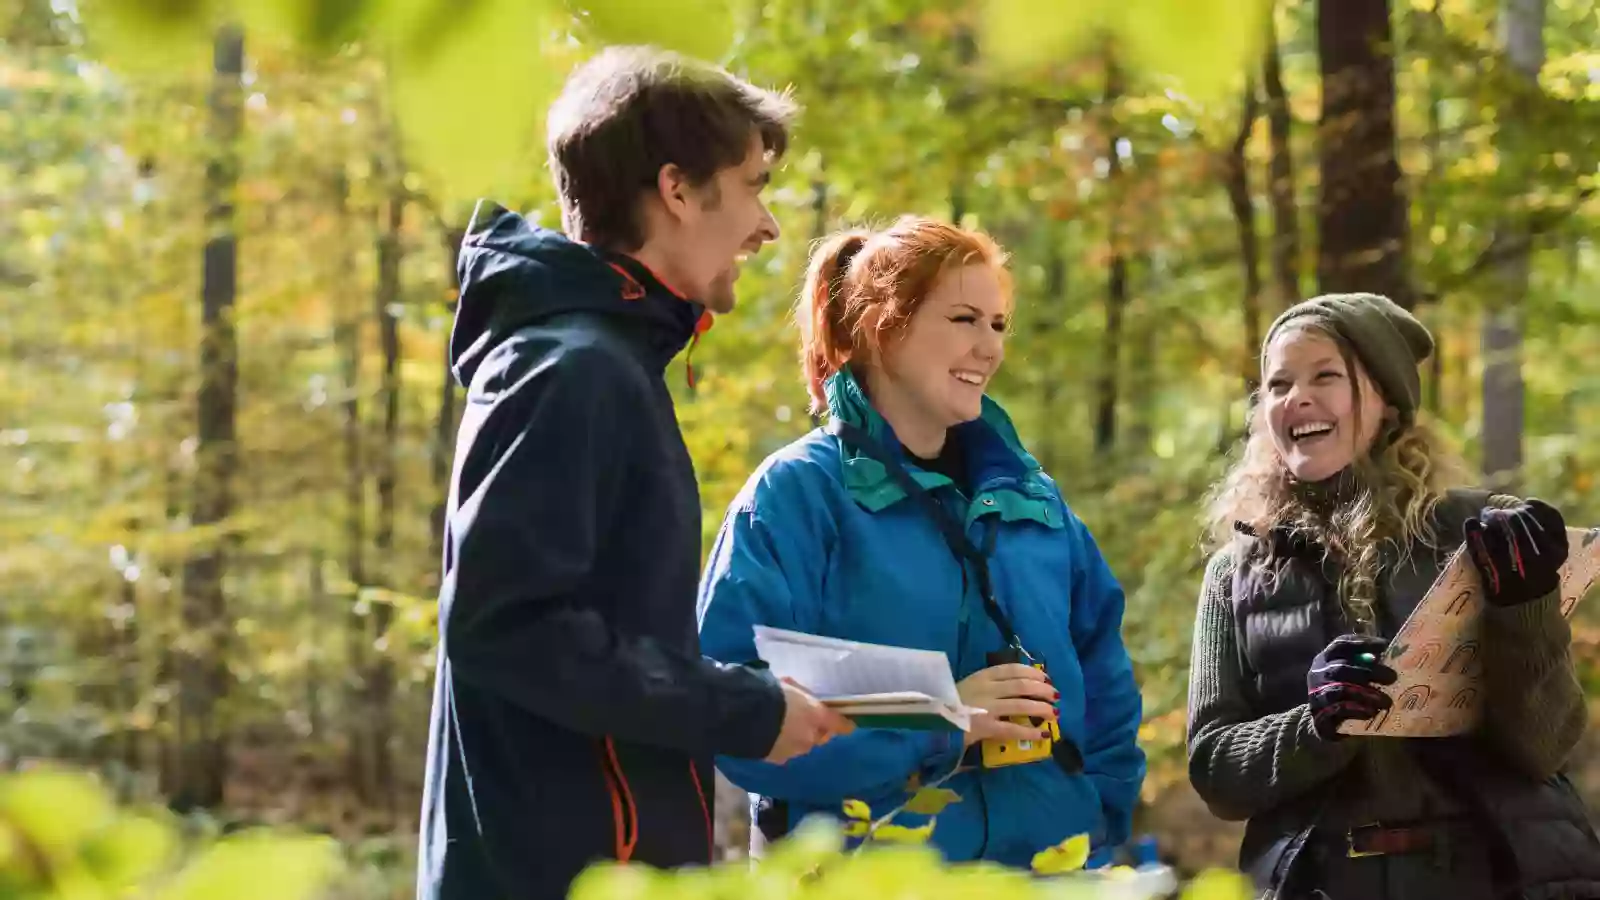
997,753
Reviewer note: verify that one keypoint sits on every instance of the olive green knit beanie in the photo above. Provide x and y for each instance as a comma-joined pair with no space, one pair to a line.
1389,341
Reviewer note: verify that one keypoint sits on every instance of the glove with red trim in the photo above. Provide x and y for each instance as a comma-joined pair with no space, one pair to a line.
1518,551
1339,686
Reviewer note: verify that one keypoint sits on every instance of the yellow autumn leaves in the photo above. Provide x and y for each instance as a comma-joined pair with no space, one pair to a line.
1068,856
928,802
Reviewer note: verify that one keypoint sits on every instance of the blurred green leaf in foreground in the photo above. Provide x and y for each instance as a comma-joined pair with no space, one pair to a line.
63,837
472,78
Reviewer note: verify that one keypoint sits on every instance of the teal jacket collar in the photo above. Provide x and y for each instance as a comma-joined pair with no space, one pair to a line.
1008,480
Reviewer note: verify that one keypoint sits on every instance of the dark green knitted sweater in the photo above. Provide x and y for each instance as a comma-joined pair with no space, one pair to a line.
1244,764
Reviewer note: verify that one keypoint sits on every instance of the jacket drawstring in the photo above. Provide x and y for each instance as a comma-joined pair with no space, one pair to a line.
700,327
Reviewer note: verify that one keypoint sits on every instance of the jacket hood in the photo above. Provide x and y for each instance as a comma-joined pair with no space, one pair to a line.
514,274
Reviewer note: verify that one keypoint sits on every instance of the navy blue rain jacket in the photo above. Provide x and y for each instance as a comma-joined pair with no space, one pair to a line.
574,718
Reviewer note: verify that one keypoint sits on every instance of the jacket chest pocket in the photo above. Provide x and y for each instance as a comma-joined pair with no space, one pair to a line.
892,586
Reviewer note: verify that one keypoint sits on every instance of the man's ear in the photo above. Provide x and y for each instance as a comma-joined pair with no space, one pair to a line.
673,189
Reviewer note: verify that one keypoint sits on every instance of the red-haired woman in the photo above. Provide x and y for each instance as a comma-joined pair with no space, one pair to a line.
916,518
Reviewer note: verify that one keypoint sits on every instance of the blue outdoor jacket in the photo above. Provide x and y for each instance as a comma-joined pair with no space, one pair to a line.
822,540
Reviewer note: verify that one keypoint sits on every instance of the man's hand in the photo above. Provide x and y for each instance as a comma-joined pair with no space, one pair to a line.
807,724
1012,689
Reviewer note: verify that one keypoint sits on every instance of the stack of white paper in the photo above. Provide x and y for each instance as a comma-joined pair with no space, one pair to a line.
876,684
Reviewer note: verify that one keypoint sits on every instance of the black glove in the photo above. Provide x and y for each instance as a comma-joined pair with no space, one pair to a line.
1518,551
1340,683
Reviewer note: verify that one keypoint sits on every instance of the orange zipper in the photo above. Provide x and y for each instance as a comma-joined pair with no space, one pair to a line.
624,816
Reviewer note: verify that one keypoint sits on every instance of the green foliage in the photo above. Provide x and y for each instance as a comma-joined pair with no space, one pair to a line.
930,801
1206,49
471,102
104,160
472,78
62,837
810,864
1070,855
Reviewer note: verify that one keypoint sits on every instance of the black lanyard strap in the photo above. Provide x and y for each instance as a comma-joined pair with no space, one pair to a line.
954,535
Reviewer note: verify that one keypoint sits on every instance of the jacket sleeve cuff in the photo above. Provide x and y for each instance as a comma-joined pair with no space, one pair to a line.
1534,625
944,751
1322,751
751,710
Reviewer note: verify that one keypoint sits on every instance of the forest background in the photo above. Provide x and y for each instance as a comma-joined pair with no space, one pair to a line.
226,283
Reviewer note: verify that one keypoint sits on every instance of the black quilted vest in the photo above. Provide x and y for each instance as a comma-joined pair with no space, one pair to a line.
1286,615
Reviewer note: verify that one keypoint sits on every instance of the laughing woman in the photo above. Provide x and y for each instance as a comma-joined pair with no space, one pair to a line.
902,330
1332,527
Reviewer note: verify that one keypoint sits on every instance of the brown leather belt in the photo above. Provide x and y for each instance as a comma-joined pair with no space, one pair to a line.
1381,840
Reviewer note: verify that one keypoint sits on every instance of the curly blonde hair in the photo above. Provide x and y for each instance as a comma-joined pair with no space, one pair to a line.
1387,496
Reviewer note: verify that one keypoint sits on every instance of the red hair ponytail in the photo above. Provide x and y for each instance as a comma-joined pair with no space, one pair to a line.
861,286
826,335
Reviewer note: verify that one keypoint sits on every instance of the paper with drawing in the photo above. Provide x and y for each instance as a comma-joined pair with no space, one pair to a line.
1435,653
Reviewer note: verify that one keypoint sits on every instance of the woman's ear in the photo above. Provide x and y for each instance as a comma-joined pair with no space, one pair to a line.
1389,431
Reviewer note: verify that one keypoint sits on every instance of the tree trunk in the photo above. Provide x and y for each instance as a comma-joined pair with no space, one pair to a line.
316,605
94,644
1236,177
1362,207
382,681
130,677
1429,22
958,202
201,766
1522,28
1105,422
1280,187
1144,354
819,209
961,102
1107,389
347,334
168,621
1054,303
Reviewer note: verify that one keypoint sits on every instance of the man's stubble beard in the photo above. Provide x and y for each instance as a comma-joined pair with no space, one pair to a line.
721,297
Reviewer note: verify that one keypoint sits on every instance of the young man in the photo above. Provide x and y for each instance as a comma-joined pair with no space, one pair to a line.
574,719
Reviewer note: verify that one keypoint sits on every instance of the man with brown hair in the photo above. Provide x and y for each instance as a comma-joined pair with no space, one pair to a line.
574,719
